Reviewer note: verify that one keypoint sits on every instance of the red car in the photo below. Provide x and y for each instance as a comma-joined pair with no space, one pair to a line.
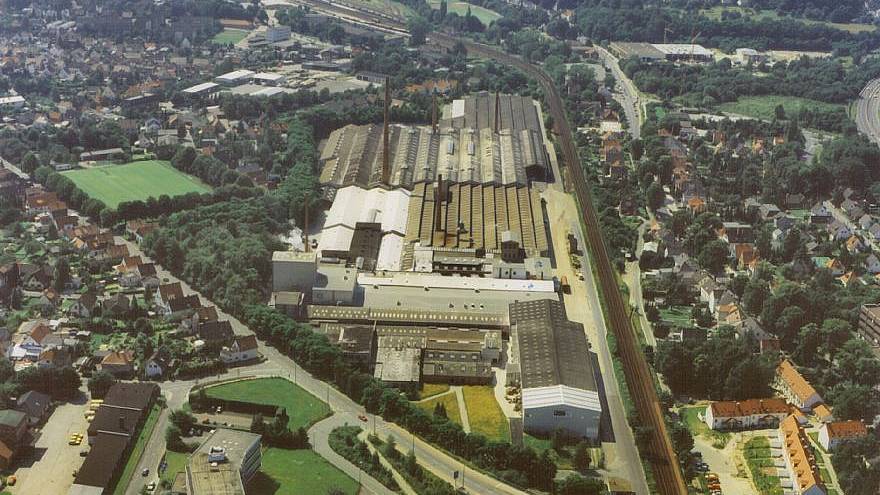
362,418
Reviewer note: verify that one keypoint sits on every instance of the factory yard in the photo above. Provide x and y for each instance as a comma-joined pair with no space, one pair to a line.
114,184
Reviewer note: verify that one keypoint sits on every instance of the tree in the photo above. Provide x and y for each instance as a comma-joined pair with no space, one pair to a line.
655,196
854,402
779,112
62,274
755,294
182,419
557,438
30,162
713,256
99,383
418,30
636,148
582,459
575,484
440,410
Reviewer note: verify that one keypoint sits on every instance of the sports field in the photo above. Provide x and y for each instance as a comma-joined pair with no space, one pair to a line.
114,184
229,36
485,15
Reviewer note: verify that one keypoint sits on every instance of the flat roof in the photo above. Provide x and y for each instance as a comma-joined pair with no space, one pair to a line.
11,99
682,49
200,88
458,318
295,256
398,364
269,76
235,75
435,281
335,277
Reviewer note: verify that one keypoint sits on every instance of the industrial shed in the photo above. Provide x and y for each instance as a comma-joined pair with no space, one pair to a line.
559,386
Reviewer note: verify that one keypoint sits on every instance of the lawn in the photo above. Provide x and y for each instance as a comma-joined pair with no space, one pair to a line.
176,464
679,316
229,36
114,184
449,401
485,15
432,389
757,455
697,427
303,408
137,451
289,472
484,413
757,15
764,107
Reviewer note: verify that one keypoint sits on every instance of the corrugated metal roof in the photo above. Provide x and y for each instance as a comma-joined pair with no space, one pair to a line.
560,395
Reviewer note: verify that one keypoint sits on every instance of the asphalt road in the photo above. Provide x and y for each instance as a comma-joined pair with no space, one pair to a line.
868,111
345,411
628,94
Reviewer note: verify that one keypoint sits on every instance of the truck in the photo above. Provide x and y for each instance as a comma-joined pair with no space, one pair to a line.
564,286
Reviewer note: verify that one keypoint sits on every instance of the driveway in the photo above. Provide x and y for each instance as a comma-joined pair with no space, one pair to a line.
51,472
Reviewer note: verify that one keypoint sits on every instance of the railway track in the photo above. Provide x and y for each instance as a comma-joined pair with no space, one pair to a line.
667,472
639,380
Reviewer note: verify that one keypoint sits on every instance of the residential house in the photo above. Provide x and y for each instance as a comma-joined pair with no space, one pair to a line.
163,296
800,462
243,349
118,363
35,405
84,307
839,231
216,333
874,231
823,413
872,264
13,430
181,307
865,221
159,364
768,211
855,245
118,304
831,435
49,301
747,414
795,388
54,356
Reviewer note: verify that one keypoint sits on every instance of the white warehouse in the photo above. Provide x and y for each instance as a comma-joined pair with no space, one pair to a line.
559,387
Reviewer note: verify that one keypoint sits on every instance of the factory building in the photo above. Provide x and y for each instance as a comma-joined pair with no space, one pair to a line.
366,227
654,52
559,387
486,139
505,220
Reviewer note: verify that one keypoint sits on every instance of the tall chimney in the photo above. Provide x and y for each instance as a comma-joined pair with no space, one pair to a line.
497,112
306,224
434,113
386,168
438,202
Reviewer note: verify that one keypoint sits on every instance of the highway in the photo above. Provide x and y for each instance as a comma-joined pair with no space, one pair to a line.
868,111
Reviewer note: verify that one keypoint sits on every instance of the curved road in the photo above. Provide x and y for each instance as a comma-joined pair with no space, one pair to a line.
345,411
868,111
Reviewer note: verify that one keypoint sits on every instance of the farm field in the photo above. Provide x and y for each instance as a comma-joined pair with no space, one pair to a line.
484,413
289,472
114,184
485,15
229,36
303,408
764,107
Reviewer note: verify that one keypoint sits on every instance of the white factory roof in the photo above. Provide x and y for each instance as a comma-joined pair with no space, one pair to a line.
11,100
354,204
199,88
413,279
271,91
682,49
236,75
559,395
268,76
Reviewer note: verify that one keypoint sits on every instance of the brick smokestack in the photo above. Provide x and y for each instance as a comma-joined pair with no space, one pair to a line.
386,166
439,197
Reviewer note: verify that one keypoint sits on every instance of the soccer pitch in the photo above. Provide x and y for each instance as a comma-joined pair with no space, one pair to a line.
114,184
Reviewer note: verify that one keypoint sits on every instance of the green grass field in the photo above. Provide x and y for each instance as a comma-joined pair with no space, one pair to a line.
697,427
114,184
303,408
679,316
432,389
715,13
485,15
449,402
137,451
229,36
760,463
484,413
290,472
764,107
176,464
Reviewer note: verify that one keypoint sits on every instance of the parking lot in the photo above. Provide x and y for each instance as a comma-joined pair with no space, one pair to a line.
50,470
